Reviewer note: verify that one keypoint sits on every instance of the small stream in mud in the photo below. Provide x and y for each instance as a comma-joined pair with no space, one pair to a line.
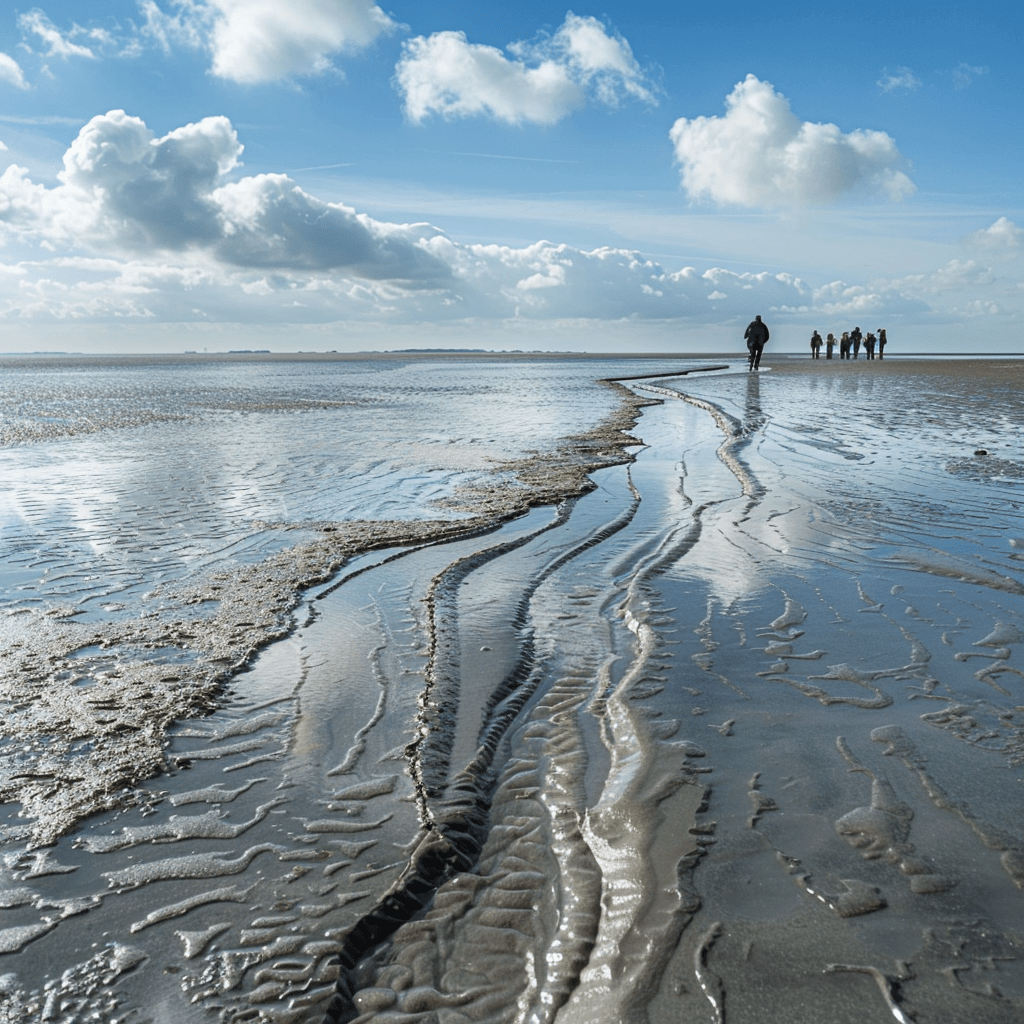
736,736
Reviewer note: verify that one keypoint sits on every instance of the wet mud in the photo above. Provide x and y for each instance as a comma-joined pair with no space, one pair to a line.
731,732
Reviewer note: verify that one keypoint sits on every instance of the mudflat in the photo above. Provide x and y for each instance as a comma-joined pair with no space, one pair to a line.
731,733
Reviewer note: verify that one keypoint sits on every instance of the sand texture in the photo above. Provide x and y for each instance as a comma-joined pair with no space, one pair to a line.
731,733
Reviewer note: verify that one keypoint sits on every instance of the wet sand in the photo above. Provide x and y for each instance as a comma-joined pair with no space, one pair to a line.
735,735
860,693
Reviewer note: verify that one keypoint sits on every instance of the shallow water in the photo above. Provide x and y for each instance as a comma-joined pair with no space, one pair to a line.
735,736
159,518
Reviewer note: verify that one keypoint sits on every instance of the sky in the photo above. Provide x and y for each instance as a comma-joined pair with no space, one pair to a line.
635,177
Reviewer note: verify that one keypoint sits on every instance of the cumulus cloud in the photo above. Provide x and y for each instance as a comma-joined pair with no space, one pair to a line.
954,276
542,283
10,72
761,154
1002,234
858,302
601,62
959,288
447,75
167,228
549,281
84,289
950,292
901,78
121,188
254,41
978,308
541,83
145,226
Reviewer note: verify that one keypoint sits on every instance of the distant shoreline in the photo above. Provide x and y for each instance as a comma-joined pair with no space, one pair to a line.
241,356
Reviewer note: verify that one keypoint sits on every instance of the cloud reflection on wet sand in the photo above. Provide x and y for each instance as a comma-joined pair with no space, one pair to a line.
733,737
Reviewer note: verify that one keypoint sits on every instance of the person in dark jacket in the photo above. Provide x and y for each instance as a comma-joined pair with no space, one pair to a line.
882,340
855,340
756,335
830,343
815,345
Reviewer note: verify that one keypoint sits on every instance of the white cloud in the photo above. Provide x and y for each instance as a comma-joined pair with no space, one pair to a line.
955,276
253,41
124,190
265,40
977,308
161,227
543,82
268,221
445,74
59,43
601,62
191,24
901,78
548,281
166,229
853,302
965,74
954,290
1002,234
10,72
542,283
761,154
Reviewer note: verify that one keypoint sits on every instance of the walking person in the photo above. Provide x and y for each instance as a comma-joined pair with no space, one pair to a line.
881,342
844,345
855,340
869,345
830,343
757,335
815,345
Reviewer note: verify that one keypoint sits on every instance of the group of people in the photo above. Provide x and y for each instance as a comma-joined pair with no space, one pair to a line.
850,341
757,335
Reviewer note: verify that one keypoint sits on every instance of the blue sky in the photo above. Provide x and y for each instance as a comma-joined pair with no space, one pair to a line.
636,177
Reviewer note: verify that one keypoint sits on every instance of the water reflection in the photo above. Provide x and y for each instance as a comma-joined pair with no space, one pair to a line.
753,416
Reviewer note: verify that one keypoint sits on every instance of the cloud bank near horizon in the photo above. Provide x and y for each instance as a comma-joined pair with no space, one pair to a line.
165,228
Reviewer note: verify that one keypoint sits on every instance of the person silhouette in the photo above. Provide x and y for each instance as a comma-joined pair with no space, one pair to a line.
757,335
